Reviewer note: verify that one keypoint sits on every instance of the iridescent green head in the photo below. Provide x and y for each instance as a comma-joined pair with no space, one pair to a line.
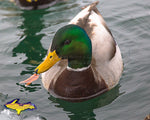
72,42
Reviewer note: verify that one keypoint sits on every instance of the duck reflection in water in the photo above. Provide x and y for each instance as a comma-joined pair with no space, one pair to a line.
85,110
30,43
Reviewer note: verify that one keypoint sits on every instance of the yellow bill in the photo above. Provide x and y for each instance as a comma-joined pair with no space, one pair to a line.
50,60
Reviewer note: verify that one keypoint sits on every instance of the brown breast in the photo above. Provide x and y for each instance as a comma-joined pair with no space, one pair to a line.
74,84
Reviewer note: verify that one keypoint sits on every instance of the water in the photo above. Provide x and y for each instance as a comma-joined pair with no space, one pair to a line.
25,37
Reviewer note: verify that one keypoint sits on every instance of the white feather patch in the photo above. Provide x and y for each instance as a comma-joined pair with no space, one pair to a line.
78,69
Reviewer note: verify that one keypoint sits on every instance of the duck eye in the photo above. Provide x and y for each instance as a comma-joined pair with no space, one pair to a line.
67,42
50,56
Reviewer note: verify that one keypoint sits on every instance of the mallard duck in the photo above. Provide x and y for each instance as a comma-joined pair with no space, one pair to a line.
83,60
35,4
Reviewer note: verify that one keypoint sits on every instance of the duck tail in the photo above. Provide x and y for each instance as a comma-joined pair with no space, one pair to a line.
92,6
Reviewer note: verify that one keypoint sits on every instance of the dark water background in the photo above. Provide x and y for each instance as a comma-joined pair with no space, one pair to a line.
25,37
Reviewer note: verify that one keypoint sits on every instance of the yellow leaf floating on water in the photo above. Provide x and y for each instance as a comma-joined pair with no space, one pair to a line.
15,105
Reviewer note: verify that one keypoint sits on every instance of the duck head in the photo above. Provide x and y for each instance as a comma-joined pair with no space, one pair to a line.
70,42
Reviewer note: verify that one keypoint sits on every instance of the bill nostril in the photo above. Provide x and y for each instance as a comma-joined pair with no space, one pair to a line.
36,71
